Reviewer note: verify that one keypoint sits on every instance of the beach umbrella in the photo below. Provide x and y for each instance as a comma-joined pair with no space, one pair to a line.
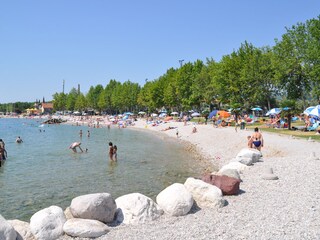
141,113
174,113
256,109
154,115
273,111
195,114
308,110
212,114
224,114
162,115
315,113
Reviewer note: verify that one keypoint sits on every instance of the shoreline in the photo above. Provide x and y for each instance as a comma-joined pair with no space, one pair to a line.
287,208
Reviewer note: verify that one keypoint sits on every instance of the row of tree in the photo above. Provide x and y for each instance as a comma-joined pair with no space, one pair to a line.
286,74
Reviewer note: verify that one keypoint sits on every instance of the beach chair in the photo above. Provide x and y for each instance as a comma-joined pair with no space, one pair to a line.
313,127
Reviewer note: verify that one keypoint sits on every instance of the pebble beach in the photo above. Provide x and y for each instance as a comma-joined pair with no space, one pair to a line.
287,208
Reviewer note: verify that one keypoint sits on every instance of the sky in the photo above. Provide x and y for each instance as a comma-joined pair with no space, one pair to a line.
90,42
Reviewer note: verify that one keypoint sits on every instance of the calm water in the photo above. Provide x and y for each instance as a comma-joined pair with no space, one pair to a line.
42,171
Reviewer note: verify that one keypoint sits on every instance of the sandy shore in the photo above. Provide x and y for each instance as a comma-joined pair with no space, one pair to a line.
288,208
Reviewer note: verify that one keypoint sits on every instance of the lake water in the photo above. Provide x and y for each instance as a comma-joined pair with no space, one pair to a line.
42,171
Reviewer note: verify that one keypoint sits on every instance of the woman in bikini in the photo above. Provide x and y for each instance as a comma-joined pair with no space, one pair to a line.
257,139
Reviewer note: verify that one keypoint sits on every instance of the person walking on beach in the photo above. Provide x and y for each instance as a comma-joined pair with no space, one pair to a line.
110,151
177,132
115,156
257,139
74,146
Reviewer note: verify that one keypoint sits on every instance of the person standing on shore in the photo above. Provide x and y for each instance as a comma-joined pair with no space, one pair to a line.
110,151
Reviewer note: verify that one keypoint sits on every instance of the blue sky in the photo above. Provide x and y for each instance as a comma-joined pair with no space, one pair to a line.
91,42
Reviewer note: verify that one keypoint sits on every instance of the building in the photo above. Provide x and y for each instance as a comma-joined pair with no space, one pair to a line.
46,108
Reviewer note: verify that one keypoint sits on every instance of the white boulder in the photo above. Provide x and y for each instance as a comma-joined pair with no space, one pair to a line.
136,208
85,228
97,206
240,167
230,173
175,200
23,229
205,194
7,232
251,153
47,224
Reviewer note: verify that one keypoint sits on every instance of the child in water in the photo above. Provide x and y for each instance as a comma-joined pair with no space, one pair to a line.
115,153
111,151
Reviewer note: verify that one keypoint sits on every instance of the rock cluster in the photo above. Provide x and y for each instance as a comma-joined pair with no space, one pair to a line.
89,215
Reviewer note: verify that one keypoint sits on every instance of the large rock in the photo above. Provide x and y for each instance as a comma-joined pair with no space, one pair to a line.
97,206
175,200
234,165
22,229
205,194
136,208
228,185
85,228
7,232
47,224
248,155
230,173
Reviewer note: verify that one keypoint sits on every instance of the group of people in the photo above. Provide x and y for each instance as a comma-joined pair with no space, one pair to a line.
80,133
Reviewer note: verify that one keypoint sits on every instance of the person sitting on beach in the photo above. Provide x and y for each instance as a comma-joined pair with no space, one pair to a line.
19,140
194,129
74,146
257,139
115,156
111,151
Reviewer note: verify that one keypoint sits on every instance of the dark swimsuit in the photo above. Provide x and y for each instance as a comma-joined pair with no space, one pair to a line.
257,143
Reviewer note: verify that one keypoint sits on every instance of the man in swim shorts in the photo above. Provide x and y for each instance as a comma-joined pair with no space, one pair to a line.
74,146
257,139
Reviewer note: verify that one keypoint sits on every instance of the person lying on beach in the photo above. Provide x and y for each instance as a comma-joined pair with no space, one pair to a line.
74,146
168,128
